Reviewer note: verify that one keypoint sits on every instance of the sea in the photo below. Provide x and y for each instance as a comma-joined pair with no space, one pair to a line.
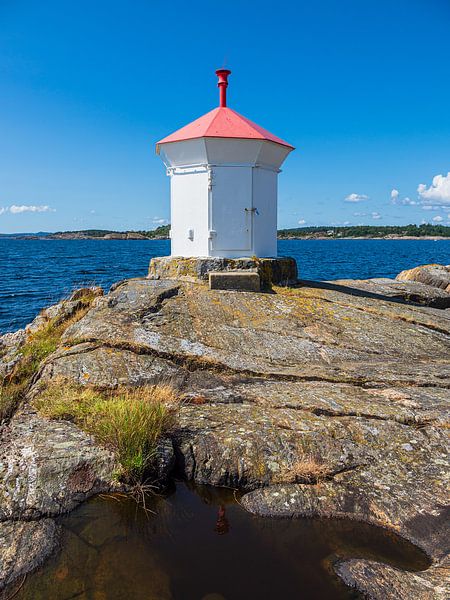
37,273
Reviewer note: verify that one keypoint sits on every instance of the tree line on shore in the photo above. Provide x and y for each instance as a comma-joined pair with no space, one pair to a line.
350,231
424,230
370,231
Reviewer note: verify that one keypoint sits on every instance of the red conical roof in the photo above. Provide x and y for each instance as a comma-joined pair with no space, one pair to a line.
223,122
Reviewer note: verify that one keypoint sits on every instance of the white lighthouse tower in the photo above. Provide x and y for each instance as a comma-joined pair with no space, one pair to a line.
223,184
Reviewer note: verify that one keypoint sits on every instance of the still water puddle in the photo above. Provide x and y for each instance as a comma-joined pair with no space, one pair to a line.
199,544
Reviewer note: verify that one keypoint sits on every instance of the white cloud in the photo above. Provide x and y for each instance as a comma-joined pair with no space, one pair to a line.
302,222
356,198
346,223
431,207
409,201
159,221
360,214
17,209
438,192
404,201
394,195
376,216
438,219
2,210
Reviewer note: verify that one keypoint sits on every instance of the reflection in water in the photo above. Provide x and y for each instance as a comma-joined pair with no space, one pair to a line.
114,550
222,525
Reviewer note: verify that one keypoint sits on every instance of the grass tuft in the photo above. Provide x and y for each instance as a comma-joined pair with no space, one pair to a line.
307,469
38,346
129,421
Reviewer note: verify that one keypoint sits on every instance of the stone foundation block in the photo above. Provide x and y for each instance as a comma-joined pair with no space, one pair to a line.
243,281
277,271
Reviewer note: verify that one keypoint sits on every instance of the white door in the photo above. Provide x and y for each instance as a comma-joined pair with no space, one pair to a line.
231,209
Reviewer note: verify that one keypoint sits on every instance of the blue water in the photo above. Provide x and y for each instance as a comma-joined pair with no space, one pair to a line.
36,273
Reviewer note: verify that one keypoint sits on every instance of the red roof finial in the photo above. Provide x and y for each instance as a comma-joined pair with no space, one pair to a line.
222,84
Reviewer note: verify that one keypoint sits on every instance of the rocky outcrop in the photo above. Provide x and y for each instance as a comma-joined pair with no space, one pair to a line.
374,579
11,343
432,275
9,346
24,546
324,399
64,310
48,467
412,292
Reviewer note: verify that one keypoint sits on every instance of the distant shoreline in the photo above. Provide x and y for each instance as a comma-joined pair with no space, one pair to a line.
351,232
51,238
368,237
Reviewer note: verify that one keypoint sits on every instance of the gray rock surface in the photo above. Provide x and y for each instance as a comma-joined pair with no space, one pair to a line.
48,467
10,344
379,581
24,546
391,289
63,310
433,275
327,399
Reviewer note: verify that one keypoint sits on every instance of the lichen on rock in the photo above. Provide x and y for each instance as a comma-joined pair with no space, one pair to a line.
347,380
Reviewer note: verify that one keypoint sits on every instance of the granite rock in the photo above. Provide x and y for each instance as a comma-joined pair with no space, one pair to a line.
432,275
326,399
24,546
48,467
374,579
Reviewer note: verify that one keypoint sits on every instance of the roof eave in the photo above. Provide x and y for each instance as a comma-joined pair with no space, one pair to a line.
199,137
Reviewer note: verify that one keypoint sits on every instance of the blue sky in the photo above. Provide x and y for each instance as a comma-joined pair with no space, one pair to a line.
360,87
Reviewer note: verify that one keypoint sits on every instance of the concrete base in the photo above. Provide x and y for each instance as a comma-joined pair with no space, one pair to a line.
277,271
243,281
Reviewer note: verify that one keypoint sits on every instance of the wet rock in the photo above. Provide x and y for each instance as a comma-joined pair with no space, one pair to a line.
378,581
164,460
24,546
432,275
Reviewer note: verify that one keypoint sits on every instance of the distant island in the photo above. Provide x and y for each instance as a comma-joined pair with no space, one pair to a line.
366,231
319,232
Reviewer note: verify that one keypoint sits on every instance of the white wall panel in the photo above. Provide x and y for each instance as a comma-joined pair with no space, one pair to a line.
231,213
265,217
189,212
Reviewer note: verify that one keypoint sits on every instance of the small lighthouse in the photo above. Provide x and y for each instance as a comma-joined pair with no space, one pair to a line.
223,171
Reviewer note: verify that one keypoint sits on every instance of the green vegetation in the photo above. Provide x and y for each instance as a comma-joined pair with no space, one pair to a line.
9,399
159,232
370,231
162,231
39,345
130,422
352,231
